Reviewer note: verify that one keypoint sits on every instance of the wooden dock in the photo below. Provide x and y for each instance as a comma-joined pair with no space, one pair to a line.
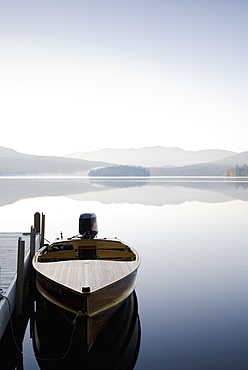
8,256
16,252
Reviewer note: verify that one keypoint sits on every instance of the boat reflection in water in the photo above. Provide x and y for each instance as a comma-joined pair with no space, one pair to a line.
57,341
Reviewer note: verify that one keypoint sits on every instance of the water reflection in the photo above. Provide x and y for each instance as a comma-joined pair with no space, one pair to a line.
120,182
12,342
197,317
152,191
56,343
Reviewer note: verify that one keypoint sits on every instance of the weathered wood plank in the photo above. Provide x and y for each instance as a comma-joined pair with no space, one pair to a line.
8,271
72,273
8,256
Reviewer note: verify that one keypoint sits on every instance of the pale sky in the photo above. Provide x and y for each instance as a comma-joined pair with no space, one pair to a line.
79,75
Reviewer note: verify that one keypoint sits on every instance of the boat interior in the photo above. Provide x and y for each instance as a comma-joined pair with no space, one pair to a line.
86,249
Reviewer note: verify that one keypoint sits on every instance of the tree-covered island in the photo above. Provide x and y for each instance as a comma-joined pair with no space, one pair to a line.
237,171
120,170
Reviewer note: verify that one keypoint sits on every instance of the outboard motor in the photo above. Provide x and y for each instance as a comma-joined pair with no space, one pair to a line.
88,225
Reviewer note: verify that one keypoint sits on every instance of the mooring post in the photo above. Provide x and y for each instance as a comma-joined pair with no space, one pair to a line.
32,251
37,222
20,277
42,230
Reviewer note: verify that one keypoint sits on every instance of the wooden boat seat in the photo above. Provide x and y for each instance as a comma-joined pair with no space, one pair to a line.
94,251
57,256
115,255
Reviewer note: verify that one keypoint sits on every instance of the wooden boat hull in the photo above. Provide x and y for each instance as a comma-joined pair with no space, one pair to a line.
92,310
89,304
90,289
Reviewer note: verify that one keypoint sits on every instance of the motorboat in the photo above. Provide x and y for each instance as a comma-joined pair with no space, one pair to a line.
87,276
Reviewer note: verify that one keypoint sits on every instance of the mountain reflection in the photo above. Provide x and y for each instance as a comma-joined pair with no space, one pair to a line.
147,191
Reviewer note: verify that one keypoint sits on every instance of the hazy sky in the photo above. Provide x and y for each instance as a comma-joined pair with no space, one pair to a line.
79,75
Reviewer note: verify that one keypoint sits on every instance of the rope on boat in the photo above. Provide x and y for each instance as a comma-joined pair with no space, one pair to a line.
74,322
80,313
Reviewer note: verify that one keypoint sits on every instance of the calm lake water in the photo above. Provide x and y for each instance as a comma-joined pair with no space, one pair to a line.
192,291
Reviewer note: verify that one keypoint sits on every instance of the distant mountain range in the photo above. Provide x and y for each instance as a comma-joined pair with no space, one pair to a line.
215,168
13,163
153,156
161,162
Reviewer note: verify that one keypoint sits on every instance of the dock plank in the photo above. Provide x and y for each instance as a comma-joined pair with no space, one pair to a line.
8,256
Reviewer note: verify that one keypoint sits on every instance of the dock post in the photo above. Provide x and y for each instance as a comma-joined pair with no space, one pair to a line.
32,241
37,222
32,251
20,277
42,230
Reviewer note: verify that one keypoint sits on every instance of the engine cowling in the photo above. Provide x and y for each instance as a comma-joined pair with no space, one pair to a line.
88,225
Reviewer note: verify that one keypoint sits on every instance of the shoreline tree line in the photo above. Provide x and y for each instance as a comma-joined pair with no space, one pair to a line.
120,170
237,171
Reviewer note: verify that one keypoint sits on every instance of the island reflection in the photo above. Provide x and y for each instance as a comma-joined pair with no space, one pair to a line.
147,191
